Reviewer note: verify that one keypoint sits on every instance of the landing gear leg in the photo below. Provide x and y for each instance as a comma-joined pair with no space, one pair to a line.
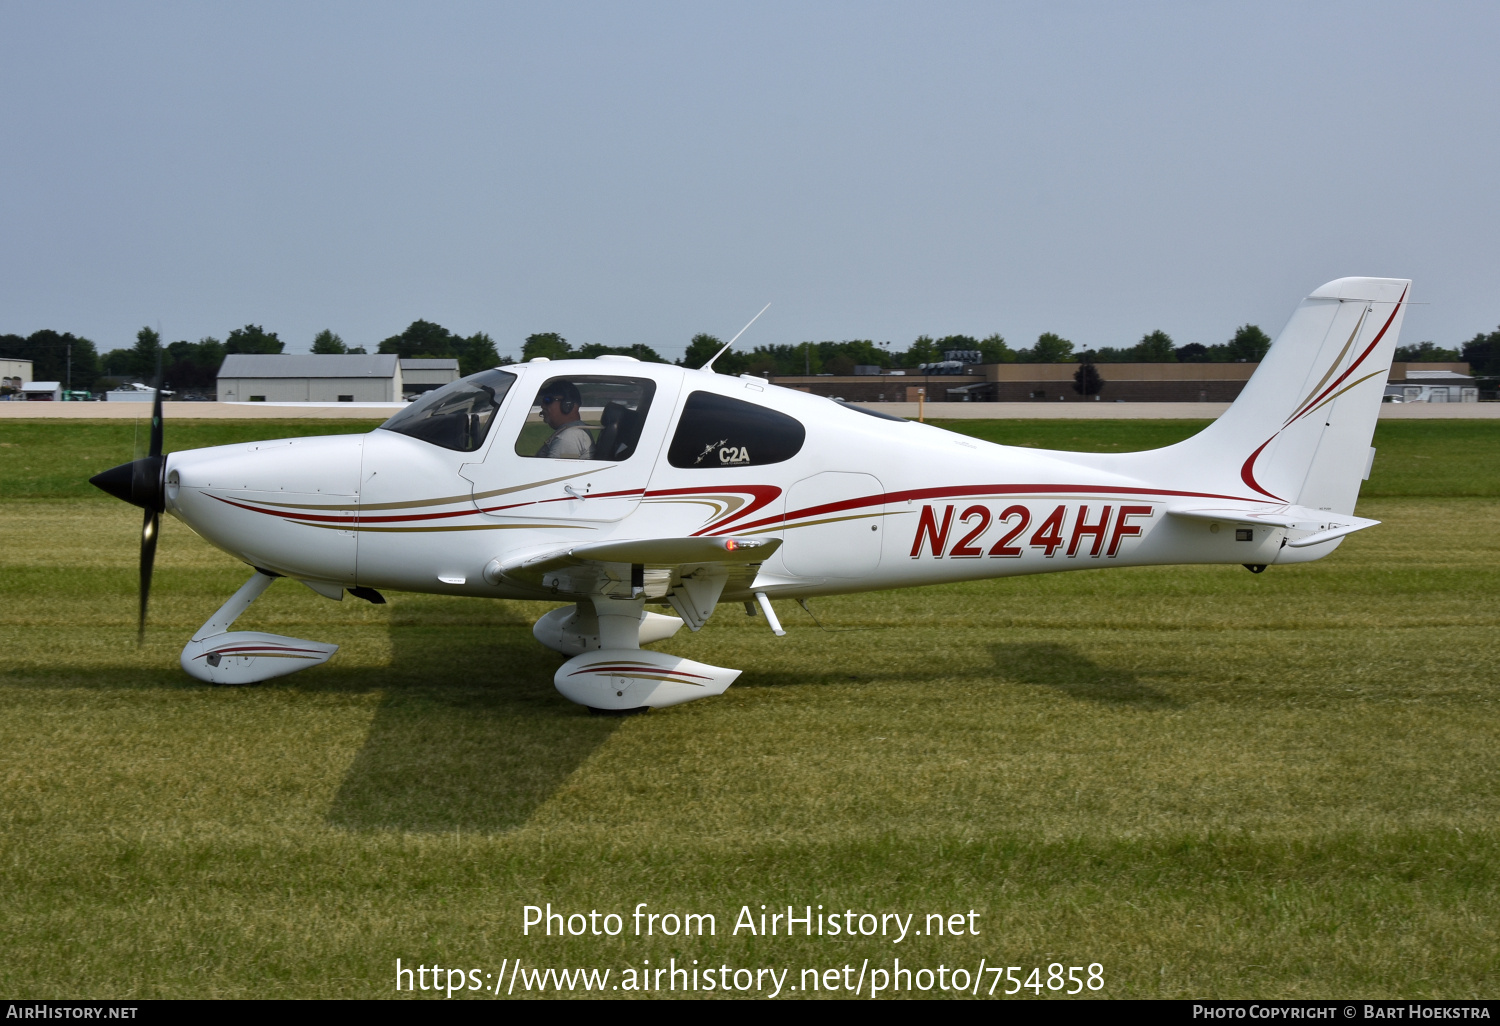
247,657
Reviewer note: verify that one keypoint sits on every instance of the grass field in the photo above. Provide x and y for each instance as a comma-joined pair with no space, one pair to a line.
1215,784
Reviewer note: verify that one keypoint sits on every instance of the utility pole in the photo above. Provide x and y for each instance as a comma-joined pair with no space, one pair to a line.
70,367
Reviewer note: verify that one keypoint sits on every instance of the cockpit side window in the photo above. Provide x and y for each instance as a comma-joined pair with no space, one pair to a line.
586,417
717,431
457,416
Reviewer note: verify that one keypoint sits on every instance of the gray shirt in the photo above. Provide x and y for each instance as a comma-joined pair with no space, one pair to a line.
572,441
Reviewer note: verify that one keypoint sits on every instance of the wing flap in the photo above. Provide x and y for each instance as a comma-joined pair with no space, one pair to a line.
658,552
691,571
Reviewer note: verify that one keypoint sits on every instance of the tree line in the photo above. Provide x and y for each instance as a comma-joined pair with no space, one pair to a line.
51,353
194,366
1249,343
1482,353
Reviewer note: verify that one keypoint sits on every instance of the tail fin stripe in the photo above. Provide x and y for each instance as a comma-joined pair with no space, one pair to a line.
1331,367
1247,471
1368,350
1341,391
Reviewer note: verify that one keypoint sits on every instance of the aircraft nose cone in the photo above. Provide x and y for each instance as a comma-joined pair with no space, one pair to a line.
138,483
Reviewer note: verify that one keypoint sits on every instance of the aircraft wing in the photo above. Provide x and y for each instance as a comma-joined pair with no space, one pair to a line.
1322,525
688,573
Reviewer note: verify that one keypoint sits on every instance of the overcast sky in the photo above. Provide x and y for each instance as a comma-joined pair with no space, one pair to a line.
626,173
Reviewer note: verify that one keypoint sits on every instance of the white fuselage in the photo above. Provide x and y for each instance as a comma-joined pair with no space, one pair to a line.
865,502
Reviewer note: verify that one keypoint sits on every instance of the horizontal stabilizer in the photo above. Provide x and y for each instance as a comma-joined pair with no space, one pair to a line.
1321,525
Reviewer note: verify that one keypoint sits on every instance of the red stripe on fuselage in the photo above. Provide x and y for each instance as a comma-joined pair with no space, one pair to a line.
354,518
364,518
963,491
763,495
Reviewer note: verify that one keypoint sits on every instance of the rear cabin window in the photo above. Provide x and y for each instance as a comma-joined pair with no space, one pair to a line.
717,431
586,417
458,415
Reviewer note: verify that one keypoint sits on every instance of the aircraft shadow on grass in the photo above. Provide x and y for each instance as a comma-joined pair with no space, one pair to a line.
1066,669
470,734
1047,664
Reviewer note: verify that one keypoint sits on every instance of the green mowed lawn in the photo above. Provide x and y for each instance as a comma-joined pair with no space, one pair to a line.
1214,784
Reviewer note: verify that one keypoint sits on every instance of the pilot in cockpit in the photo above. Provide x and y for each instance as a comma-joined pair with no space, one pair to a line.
560,402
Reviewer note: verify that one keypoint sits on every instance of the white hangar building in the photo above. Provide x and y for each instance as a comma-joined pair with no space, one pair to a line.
1431,386
255,378
14,373
426,373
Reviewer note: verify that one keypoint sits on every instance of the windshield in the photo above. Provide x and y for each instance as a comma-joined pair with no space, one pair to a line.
456,416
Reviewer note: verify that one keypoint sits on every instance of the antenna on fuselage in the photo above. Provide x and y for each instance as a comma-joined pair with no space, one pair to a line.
710,364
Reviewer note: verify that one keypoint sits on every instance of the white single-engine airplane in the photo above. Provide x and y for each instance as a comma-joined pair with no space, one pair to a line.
616,485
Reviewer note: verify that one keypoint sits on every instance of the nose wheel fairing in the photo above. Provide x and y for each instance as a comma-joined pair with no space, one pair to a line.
220,656
249,657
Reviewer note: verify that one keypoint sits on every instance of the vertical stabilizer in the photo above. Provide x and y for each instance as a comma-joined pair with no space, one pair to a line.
1300,431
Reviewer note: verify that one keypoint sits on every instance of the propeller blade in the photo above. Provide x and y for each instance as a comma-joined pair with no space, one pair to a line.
140,482
156,411
149,531
152,524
